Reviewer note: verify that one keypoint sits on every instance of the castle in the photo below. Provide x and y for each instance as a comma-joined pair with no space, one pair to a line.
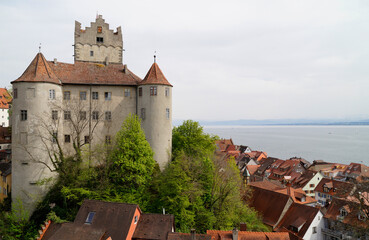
82,103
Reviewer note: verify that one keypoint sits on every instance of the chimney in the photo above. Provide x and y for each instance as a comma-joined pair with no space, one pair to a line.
125,68
234,234
55,61
243,227
193,234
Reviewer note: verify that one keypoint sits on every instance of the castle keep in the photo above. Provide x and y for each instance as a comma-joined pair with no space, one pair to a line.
84,102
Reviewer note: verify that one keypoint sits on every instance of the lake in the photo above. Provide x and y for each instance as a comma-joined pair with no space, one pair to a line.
341,144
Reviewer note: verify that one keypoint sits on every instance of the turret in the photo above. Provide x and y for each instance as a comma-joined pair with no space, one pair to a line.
35,94
155,109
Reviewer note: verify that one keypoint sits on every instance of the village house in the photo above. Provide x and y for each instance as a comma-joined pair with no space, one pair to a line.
356,171
327,189
308,182
5,180
5,104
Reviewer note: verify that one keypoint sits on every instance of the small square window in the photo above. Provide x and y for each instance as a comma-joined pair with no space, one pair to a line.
91,53
55,137
82,115
95,115
67,115
66,95
107,95
167,113
153,91
54,115
87,139
15,93
90,217
99,39
23,115
95,95
108,139
127,92
67,138
167,92
140,92
108,116
52,94
82,95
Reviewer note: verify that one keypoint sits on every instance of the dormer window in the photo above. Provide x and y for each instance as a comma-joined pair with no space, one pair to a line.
99,39
99,29
136,219
343,212
90,217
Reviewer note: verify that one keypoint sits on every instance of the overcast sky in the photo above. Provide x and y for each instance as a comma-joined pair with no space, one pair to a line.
260,59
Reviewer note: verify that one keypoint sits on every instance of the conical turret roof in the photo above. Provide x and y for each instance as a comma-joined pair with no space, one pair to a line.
39,71
155,76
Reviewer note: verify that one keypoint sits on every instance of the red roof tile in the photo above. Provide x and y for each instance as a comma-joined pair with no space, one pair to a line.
5,98
155,76
334,187
39,71
245,235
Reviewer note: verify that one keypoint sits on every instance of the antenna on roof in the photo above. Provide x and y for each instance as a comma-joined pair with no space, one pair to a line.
155,57
39,48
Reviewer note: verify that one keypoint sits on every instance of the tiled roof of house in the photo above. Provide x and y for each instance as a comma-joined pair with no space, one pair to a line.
357,169
155,76
299,217
269,204
115,218
304,178
297,195
265,184
334,187
39,71
69,231
5,98
245,235
252,168
154,226
187,236
266,165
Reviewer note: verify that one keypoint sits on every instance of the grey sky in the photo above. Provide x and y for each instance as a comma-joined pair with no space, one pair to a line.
226,59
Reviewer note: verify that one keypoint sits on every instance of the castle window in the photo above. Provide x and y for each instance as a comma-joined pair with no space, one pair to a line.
67,115
95,115
143,113
140,92
108,116
107,95
127,92
153,91
91,53
82,115
168,113
54,137
54,115
87,139
95,95
99,29
107,139
99,40
82,95
15,93
66,95
67,138
52,94
167,92
23,115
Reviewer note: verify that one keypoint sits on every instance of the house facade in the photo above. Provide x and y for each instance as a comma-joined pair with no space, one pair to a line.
62,104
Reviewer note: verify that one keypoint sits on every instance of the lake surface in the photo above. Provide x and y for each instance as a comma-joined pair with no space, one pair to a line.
341,144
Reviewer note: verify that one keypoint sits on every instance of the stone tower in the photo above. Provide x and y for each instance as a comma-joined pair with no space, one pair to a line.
98,43
34,94
154,106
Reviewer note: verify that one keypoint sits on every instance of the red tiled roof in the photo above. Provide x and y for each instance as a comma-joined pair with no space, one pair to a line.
245,235
252,168
153,226
297,194
335,187
298,215
186,236
155,76
39,71
5,98
265,184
